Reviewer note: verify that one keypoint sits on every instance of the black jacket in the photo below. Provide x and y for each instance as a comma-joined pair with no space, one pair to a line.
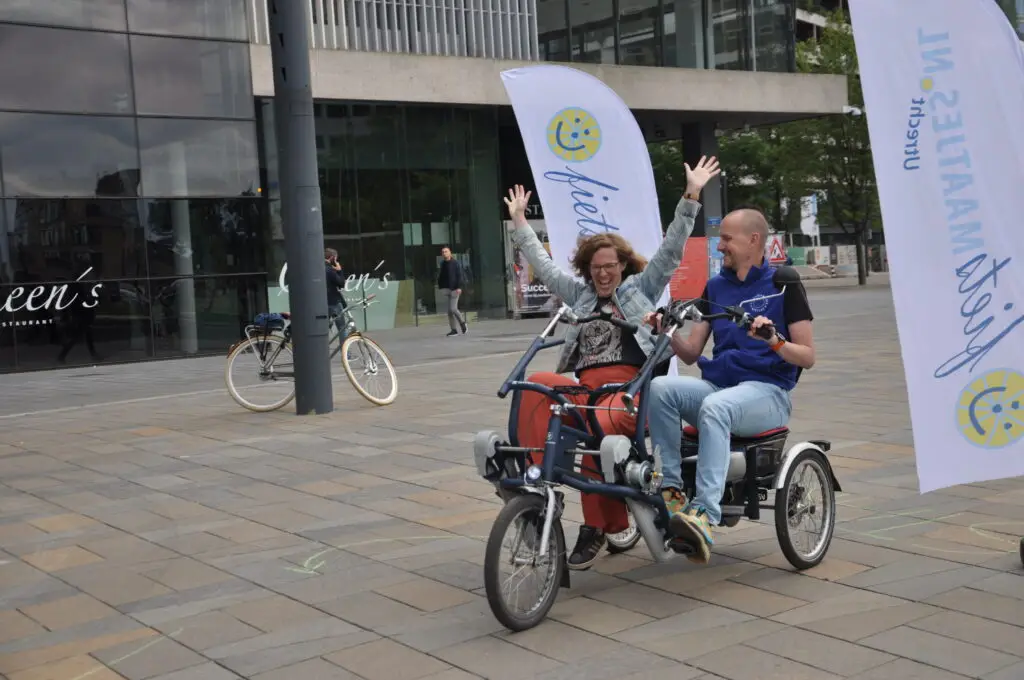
335,284
450,275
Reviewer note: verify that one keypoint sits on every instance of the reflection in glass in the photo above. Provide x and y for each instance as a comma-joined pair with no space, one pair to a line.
66,70
201,78
102,14
198,158
552,30
685,39
773,36
50,240
198,18
204,236
56,155
731,34
219,308
640,33
593,31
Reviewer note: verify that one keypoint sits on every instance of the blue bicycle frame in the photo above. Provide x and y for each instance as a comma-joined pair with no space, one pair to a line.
564,439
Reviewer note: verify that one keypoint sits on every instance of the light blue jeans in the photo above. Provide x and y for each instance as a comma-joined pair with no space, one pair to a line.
745,410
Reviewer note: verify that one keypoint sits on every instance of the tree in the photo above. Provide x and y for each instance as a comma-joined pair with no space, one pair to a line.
836,149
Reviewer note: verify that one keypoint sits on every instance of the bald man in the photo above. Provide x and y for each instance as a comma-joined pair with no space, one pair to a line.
743,389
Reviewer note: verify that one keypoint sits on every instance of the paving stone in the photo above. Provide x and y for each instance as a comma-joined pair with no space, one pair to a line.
426,594
387,660
972,629
206,671
936,650
743,663
137,661
904,669
73,667
496,659
313,669
68,612
61,558
854,627
829,654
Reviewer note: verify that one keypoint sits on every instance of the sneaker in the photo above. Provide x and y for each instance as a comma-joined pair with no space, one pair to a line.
464,327
675,501
451,333
692,527
588,546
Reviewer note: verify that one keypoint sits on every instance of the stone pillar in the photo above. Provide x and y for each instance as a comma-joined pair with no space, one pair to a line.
699,140
185,286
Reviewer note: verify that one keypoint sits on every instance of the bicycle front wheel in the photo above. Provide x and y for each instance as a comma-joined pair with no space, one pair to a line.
369,370
260,374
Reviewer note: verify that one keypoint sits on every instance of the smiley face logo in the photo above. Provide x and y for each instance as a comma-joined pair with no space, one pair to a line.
989,412
574,135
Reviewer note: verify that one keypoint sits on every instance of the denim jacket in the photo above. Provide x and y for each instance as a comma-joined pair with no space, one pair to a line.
635,296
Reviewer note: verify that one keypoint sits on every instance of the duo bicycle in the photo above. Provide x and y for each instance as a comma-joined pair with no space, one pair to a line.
801,476
260,373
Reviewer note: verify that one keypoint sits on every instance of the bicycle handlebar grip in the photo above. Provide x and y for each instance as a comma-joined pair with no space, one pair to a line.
624,325
766,331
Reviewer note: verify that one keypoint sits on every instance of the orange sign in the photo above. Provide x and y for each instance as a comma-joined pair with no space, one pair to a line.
776,253
692,275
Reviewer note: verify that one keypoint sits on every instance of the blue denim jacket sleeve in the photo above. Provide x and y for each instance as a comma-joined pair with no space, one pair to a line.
559,282
666,260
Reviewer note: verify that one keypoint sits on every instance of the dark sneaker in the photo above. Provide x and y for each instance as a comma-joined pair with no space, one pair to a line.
451,333
464,327
675,501
693,528
588,546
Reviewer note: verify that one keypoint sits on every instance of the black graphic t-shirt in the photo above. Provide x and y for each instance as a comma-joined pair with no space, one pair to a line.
602,344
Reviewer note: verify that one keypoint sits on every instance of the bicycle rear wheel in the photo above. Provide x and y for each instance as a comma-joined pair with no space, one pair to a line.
256,386
367,368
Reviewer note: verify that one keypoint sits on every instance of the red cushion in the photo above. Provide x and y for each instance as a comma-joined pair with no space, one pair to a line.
691,431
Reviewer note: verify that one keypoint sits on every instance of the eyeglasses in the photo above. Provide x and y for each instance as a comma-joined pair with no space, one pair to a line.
610,267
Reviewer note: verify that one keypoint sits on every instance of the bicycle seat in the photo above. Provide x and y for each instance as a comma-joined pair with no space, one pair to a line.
286,315
691,432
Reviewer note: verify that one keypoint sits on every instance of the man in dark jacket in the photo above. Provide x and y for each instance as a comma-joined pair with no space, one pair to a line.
335,285
450,280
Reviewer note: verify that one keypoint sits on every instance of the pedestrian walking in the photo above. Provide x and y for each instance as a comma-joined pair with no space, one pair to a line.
449,280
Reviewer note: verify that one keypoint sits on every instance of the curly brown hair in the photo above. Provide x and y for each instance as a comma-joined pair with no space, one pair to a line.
634,262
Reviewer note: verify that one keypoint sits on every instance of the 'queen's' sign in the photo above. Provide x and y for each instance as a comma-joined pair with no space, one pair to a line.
50,297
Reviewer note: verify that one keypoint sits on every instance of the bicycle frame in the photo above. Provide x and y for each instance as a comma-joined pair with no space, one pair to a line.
564,439
252,331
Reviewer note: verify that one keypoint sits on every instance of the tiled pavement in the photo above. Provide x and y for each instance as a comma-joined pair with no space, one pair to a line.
181,538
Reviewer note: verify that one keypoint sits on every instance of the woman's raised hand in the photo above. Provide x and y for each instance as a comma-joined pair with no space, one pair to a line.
517,200
701,174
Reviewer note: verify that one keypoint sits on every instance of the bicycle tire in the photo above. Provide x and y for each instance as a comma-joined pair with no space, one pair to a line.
233,391
385,360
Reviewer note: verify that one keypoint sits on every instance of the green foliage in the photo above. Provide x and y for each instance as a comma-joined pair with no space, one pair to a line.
830,155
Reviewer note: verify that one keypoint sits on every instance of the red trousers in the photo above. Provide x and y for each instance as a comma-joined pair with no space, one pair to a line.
607,514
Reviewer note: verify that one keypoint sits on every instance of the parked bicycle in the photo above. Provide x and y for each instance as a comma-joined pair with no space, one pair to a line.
260,373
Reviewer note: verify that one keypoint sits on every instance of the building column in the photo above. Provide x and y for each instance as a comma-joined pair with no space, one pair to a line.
185,286
699,140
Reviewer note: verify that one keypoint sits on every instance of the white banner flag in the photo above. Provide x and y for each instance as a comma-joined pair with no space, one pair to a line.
589,160
944,94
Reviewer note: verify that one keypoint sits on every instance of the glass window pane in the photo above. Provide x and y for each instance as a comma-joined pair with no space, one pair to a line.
593,31
199,18
72,272
198,158
730,33
58,155
205,236
684,34
553,35
773,36
180,77
105,14
639,35
67,70
204,314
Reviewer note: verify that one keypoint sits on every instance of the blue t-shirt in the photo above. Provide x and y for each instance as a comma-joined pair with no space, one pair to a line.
736,357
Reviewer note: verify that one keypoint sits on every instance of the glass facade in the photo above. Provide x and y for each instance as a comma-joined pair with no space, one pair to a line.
132,224
398,182
749,35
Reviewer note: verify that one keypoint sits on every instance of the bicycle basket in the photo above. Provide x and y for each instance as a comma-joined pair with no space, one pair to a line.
269,321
